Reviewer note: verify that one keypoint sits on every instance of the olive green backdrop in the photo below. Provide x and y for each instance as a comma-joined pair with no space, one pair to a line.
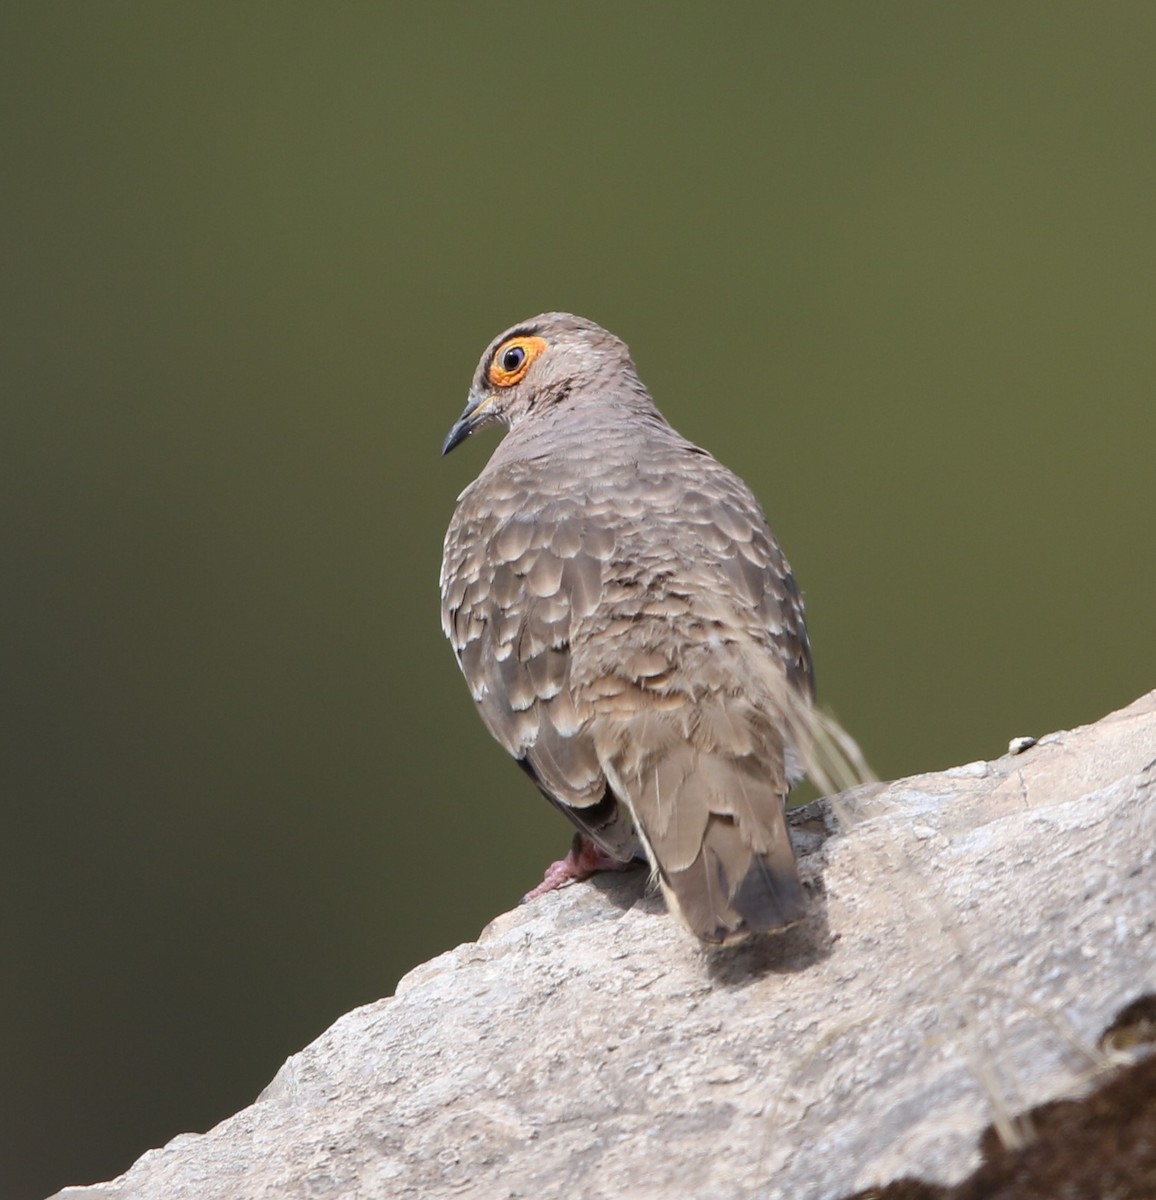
894,263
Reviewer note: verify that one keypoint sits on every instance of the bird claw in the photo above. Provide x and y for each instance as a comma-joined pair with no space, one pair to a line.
584,859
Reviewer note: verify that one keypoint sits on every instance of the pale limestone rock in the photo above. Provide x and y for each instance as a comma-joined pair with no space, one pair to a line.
973,933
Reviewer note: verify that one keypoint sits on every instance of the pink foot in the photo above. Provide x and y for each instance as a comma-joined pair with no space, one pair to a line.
585,859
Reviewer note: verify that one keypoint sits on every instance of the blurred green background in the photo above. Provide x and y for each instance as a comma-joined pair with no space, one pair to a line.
894,263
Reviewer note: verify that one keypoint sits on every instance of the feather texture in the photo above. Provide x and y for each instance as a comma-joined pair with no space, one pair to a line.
632,634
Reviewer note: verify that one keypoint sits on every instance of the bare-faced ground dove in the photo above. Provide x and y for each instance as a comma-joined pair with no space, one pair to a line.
630,630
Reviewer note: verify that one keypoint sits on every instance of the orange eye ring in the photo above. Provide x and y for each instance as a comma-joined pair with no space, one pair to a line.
512,359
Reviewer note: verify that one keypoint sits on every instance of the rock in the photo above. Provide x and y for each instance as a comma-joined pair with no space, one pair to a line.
973,933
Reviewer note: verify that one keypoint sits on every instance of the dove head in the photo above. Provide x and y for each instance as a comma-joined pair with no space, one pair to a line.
541,366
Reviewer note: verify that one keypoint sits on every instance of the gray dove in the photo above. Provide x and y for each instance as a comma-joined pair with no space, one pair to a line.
630,630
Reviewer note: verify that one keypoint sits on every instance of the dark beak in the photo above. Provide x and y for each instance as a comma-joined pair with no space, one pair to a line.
470,419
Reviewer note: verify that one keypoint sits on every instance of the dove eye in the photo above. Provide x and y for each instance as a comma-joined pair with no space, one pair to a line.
512,360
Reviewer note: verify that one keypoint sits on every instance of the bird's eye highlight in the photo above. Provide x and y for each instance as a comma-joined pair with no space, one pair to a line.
512,360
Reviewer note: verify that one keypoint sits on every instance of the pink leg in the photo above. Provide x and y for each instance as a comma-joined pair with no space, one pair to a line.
585,859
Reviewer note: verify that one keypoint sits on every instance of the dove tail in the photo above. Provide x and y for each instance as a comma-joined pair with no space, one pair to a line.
715,833
730,892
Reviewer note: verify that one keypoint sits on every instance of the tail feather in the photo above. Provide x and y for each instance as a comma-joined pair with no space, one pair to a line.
730,892
715,833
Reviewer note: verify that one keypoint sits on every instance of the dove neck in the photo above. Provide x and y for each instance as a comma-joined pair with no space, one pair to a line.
604,434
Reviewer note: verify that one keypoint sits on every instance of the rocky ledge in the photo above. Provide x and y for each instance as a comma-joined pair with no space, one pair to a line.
973,932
